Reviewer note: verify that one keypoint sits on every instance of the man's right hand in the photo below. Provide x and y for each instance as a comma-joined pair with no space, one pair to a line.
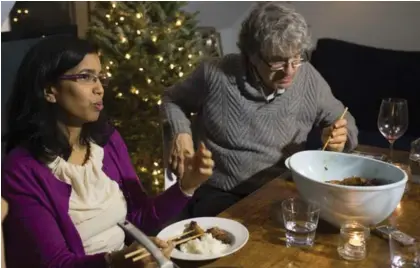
182,145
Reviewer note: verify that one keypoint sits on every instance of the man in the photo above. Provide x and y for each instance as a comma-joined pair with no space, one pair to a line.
254,109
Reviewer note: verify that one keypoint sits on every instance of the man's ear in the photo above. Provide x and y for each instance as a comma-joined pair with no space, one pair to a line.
49,94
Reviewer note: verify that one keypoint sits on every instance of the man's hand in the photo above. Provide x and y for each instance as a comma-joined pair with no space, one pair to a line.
198,168
338,134
182,145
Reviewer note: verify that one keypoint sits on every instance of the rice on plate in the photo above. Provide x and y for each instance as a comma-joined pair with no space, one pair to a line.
206,244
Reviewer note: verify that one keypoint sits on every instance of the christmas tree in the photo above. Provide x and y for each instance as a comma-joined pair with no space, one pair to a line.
145,47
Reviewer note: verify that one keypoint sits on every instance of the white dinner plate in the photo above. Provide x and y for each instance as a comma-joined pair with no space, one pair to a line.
238,232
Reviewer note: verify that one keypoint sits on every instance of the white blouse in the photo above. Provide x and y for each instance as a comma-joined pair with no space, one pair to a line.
96,202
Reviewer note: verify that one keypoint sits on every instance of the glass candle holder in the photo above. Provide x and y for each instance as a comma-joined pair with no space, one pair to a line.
353,241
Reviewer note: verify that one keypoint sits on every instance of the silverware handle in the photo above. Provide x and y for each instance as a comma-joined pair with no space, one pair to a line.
142,239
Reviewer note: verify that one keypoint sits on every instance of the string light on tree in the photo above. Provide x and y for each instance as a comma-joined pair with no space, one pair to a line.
119,29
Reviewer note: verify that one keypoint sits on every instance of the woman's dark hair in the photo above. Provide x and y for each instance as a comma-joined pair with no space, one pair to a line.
31,120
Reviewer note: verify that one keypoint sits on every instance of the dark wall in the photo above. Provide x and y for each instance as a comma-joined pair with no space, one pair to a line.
40,15
14,46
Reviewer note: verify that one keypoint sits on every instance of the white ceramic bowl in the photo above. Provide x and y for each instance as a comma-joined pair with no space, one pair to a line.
369,205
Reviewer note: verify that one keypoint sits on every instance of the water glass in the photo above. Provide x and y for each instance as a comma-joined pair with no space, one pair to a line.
415,157
403,256
300,220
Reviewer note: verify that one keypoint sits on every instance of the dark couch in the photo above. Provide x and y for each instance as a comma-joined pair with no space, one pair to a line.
360,76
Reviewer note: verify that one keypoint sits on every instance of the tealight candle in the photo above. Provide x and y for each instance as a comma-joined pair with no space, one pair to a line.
353,238
356,241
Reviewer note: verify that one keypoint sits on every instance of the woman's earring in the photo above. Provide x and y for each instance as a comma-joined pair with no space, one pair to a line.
51,99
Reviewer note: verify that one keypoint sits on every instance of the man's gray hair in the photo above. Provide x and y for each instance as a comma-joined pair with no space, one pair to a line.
272,29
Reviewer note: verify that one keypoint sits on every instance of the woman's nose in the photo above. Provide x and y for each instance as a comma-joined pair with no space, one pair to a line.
98,89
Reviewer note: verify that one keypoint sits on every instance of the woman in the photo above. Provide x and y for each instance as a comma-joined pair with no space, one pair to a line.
4,211
67,176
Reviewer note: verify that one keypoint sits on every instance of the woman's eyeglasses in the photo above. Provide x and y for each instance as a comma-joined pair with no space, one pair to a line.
86,78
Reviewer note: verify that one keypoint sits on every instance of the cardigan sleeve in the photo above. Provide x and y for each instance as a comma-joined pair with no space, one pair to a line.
147,213
33,237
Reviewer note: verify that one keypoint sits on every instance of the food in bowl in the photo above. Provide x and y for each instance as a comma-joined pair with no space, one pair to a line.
212,241
359,181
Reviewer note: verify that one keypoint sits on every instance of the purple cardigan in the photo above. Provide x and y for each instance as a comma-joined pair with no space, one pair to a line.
38,230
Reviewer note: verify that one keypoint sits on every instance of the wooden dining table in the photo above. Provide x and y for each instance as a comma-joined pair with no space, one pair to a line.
260,213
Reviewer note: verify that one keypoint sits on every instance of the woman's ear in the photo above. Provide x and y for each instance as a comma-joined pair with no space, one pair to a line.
49,94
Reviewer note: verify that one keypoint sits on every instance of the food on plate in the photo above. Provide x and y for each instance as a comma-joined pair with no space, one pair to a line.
220,235
210,242
359,181
205,244
193,226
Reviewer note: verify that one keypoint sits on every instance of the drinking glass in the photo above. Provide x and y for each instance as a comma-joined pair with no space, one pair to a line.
300,220
415,157
403,256
393,121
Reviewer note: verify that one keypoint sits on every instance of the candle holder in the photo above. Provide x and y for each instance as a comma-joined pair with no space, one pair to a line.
353,240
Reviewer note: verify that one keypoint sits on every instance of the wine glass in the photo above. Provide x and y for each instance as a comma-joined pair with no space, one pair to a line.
393,121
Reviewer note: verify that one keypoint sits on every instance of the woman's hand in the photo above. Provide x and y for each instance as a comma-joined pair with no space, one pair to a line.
198,168
118,259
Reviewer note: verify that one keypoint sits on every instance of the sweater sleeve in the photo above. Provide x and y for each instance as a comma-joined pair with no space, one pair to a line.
182,99
147,213
33,237
330,110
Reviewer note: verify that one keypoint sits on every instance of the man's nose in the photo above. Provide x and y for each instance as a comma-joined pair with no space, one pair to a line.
288,69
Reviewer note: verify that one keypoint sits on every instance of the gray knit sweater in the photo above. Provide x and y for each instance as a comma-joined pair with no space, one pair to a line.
246,133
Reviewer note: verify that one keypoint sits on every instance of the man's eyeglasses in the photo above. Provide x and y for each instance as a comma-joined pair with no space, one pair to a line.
281,65
86,78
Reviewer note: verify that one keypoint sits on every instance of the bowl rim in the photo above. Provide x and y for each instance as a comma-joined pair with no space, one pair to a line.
358,188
